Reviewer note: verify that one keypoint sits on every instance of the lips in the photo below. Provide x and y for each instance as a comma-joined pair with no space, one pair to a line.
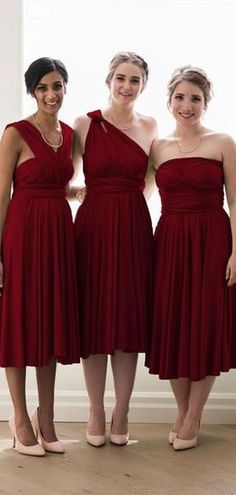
51,104
186,115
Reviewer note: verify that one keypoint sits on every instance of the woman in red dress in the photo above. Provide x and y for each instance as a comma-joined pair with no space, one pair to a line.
38,318
194,336
114,243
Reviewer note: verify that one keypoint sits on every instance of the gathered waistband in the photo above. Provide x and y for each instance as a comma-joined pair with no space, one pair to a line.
191,202
37,192
113,185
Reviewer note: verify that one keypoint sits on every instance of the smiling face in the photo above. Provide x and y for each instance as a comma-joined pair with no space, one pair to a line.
49,92
126,83
187,103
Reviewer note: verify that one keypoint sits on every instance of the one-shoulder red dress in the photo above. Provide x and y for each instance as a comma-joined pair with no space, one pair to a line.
114,242
39,303
194,331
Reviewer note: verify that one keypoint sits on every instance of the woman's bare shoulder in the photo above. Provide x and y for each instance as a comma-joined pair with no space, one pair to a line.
81,122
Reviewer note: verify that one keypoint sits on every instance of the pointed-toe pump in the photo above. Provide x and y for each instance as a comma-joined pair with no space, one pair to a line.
54,447
171,437
181,444
117,438
34,450
95,440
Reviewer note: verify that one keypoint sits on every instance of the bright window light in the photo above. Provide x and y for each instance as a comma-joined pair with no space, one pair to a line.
86,34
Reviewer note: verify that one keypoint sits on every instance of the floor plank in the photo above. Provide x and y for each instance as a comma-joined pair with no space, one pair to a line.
147,465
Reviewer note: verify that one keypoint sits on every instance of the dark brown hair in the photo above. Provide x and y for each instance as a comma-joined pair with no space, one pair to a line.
39,68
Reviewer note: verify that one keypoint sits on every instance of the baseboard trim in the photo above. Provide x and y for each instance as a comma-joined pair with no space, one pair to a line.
145,407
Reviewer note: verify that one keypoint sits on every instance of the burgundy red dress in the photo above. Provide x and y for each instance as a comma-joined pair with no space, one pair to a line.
39,305
194,332
114,243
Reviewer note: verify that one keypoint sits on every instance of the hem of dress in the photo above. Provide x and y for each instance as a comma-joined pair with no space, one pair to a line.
60,360
111,352
192,378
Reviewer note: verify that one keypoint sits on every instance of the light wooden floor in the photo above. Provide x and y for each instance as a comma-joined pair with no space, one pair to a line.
147,465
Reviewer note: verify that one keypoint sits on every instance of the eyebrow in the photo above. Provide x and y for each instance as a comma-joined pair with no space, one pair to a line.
133,77
183,94
46,84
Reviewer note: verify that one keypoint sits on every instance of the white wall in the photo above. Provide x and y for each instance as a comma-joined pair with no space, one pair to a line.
152,399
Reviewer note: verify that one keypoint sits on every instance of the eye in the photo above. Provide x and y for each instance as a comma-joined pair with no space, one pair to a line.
178,97
58,86
120,78
196,99
135,81
41,88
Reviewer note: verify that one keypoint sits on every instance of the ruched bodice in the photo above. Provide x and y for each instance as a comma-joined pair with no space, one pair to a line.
119,154
114,242
194,333
190,185
55,168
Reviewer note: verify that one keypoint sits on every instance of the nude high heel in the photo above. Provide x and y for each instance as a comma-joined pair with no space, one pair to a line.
35,450
95,440
55,447
172,436
117,438
180,444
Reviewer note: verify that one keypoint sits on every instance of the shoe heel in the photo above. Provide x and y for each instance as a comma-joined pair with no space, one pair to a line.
118,439
172,436
33,450
54,447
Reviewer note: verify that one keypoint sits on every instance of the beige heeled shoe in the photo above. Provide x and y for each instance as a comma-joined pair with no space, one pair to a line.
54,447
34,450
95,440
117,438
171,437
181,444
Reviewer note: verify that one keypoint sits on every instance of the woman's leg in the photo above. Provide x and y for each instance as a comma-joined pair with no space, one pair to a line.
199,393
46,384
16,383
181,389
95,370
124,366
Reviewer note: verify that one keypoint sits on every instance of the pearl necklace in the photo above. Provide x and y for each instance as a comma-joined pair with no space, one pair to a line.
126,128
45,139
193,149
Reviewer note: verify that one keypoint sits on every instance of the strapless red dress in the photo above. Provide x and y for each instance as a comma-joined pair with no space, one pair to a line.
39,304
194,330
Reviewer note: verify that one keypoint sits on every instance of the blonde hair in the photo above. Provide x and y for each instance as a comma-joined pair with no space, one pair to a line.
130,57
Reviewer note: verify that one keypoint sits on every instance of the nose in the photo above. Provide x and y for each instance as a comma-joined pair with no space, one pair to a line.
187,105
126,85
51,94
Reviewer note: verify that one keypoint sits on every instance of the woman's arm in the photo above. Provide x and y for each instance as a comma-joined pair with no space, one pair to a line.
229,164
150,175
81,127
9,153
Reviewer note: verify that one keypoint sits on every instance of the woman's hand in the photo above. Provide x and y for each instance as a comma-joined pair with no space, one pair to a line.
231,270
81,193
1,277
